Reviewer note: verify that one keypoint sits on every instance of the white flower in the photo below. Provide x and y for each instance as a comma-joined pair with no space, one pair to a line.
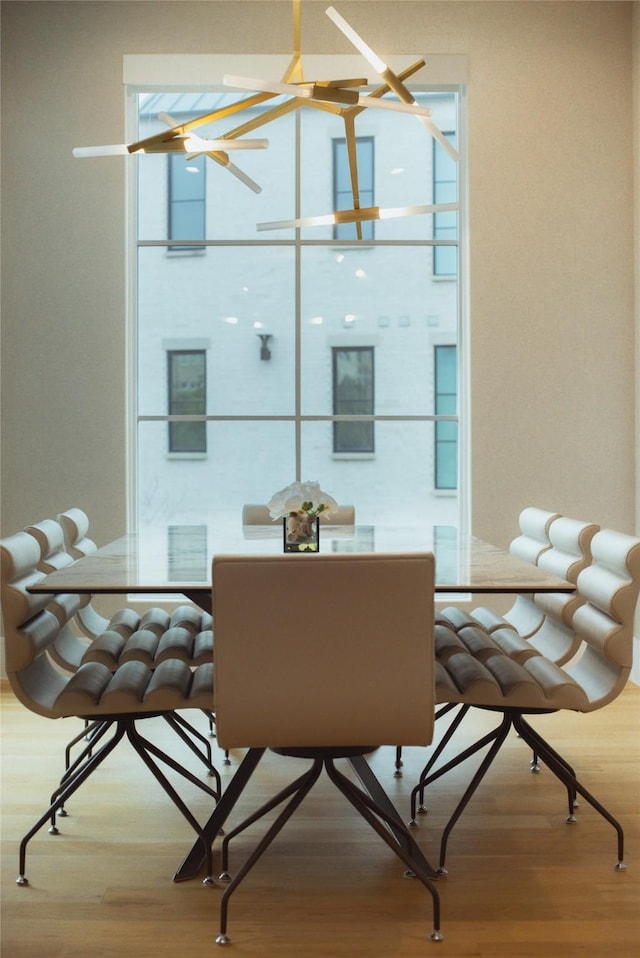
306,498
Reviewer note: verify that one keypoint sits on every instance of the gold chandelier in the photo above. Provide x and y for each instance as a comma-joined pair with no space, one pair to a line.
341,97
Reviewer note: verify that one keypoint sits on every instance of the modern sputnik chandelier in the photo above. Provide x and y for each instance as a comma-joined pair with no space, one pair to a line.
342,97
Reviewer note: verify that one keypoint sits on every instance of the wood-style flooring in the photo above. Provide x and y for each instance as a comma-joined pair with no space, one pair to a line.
521,881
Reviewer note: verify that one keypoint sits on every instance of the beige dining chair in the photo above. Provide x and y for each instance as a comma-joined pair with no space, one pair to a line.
459,631
532,543
118,700
544,618
602,620
150,637
304,667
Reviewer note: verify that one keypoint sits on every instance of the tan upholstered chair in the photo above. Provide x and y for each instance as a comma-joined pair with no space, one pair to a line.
117,699
602,621
303,666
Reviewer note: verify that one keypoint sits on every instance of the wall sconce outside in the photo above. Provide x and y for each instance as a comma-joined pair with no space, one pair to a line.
265,352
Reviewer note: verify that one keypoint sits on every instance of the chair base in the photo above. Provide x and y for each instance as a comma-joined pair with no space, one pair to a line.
382,817
511,718
94,754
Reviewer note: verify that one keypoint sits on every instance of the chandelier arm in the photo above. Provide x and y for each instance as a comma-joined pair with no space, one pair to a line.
350,136
361,215
151,143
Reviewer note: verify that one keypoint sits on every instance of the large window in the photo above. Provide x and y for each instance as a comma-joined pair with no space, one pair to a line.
353,389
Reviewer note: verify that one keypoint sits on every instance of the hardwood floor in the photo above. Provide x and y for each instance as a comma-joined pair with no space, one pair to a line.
521,882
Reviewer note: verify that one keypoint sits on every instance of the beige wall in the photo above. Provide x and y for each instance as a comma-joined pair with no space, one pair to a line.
552,227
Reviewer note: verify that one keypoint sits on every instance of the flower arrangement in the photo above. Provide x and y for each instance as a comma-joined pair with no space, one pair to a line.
300,506
304,498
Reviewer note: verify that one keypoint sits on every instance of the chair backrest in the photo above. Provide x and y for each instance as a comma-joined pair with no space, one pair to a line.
569,554
324,650
75,524
533,540
50,538
254,514
30,629
68,648
604,622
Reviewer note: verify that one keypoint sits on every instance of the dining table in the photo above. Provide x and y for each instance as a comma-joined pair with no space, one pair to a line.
174,561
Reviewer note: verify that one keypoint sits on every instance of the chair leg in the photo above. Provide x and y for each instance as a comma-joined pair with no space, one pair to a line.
93,733
535,737
299,789
442,744
87,735
375,815
187,732
210,719
398,760
563,771
72,783
145,750
264,809
497,737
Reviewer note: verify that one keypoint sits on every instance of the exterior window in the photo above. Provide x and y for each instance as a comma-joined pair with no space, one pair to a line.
187,192
353,395
342,192
446,445
187,392
445,178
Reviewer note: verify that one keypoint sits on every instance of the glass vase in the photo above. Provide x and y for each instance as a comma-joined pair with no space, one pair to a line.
301,533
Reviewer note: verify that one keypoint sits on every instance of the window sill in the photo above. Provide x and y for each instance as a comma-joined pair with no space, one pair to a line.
337,456
186,455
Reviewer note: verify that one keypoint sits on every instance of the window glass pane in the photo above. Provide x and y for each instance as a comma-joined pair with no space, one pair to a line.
393,486
245,462
229,298
374,296
232,208
403,167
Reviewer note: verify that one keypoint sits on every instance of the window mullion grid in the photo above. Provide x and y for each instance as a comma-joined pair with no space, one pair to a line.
298,308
